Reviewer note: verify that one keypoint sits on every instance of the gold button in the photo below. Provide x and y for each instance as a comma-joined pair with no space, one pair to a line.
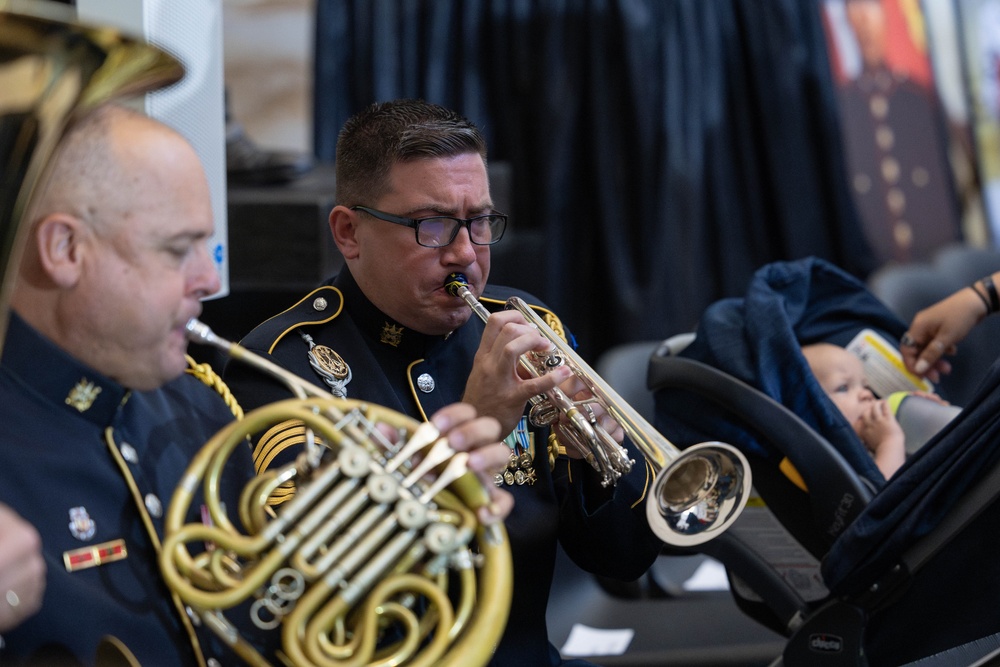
903,234
884,137
879,106
890,169
896,201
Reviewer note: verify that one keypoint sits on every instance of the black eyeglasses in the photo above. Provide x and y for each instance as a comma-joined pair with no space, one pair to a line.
440,230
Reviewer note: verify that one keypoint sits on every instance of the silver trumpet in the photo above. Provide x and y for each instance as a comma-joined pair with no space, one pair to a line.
696,494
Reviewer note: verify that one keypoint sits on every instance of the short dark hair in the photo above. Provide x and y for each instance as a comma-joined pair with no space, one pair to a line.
375,139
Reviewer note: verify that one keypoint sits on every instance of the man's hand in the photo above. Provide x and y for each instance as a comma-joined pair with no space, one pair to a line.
22,569
497,386
480,436
575,390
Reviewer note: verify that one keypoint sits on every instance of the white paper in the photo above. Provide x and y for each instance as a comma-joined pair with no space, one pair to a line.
710,576
586,641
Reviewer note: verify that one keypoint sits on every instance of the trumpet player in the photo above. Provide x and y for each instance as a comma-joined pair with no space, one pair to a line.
413,207
100,418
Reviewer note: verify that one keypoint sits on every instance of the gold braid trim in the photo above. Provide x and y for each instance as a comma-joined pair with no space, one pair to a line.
555,448
205,373
556,324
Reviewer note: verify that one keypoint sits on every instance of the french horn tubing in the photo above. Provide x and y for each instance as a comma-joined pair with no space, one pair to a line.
696,494
378,558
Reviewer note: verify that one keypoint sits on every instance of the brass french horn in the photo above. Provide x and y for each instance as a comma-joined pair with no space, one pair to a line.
378,558
697,493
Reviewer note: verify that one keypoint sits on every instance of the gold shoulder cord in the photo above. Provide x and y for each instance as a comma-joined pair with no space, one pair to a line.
556,324
206,374
555,448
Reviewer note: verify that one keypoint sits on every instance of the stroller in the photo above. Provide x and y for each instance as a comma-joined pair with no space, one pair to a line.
852,569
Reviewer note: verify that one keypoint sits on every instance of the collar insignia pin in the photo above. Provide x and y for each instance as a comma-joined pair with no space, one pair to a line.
391,335
83,395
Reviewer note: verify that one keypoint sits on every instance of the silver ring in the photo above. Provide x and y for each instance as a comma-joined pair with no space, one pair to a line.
907,341
12,599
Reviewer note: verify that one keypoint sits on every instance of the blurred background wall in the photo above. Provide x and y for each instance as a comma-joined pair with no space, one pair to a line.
658,152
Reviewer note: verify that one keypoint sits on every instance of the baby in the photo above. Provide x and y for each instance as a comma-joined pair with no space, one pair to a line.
842,377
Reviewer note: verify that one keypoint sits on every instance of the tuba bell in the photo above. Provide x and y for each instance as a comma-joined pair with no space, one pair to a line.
696,494
53,70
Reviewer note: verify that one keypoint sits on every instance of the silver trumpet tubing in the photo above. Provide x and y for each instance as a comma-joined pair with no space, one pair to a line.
696,494
377,558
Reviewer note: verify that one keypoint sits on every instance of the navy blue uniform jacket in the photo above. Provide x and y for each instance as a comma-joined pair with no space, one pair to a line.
90,464
603,530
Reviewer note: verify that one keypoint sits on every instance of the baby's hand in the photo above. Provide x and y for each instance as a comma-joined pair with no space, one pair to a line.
883,437
878,425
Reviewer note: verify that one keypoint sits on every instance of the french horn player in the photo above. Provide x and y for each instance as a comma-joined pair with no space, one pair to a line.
105,214
415,223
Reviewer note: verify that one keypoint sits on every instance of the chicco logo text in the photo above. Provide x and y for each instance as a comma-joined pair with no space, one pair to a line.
826,643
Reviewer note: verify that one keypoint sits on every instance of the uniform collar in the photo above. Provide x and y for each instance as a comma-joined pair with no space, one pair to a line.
379,327
45,368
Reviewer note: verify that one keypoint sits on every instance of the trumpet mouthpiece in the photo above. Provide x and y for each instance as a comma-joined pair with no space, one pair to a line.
455,282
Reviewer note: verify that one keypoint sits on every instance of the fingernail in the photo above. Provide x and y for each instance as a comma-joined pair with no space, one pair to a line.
456,439
921,366
441,422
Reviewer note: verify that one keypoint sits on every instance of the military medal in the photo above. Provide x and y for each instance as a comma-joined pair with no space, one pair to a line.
99,554
520,466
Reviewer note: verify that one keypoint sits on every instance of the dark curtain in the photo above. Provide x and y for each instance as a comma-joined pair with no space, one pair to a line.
661,150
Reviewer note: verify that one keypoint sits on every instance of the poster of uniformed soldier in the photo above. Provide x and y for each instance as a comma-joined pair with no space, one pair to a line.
981,39
893,127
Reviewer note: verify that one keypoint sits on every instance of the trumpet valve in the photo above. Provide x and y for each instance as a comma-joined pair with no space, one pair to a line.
543,413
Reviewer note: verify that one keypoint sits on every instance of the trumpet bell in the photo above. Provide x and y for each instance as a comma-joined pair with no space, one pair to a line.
699,495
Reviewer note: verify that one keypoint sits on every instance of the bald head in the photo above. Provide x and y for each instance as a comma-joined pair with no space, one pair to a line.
116,259
95,171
